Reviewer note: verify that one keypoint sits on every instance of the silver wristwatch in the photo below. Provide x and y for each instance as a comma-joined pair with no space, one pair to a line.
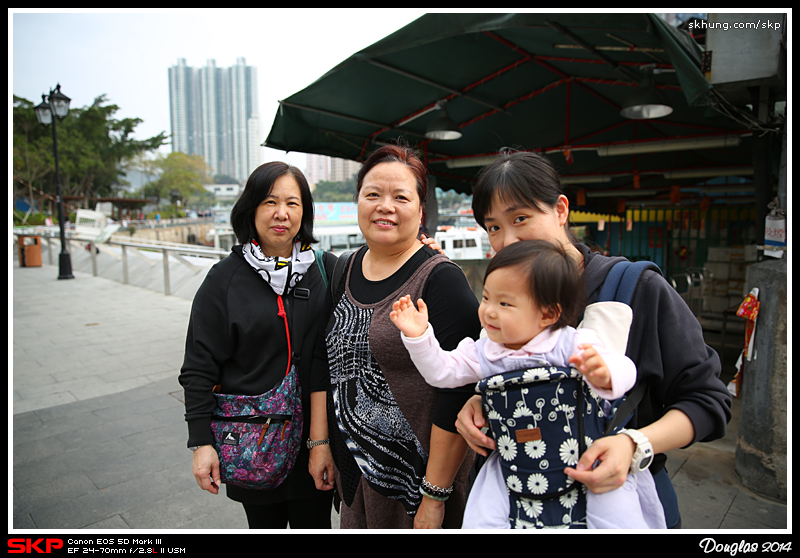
643,456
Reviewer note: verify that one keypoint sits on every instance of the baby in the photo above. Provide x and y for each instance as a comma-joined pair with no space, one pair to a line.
530,295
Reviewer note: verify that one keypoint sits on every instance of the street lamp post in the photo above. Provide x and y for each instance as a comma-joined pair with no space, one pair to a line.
57,105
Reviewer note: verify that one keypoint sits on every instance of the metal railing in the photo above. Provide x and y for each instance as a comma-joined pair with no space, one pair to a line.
692,278
168,250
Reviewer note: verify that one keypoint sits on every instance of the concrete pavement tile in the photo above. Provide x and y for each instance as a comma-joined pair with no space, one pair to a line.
172,415
67,485
166,385
703,504
27,421
133,369
108,430
138,465
32,391
26,450
166,436
755,509
58,413
101,505
113,522
101,454
185,508
30,470
26,434
134,410
24,405
34,379
739,523
22,520
102,388
30,473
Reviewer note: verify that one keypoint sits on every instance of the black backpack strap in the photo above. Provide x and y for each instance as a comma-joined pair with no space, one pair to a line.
621,281
339,273
619,286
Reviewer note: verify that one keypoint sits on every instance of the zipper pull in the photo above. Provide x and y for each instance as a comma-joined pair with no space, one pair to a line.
264,431
283,430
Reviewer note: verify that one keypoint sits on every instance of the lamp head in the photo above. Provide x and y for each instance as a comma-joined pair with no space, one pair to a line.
647,102
43,113
443,127
59,102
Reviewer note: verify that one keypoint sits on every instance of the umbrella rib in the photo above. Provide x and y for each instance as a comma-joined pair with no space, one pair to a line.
431,83
578,41
347,117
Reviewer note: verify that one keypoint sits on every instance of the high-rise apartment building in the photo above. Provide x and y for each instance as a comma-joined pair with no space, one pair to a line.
332,169
343,169
214,113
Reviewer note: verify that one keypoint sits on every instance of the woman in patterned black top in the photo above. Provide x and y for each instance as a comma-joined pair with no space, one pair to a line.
393,437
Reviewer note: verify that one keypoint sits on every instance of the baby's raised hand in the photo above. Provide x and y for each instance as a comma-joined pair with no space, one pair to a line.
589,363
407,318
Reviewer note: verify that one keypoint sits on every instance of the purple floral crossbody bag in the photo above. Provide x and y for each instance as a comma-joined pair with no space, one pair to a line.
257,437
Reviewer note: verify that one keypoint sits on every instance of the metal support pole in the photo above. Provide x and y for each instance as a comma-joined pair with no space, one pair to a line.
64,261
124,265
166,272
93,253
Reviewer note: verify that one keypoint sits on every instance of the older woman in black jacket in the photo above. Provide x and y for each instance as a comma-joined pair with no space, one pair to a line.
237,340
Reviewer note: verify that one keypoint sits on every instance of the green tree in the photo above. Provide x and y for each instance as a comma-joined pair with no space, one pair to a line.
180,176
93,147
33,152
335,191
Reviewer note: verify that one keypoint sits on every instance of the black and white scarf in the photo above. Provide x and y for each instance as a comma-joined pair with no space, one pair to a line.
282,274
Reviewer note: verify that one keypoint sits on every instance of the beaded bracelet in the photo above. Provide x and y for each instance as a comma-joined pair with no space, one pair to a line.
434,492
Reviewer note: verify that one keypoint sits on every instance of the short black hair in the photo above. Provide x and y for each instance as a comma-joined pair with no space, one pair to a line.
524,178
259,186
550,274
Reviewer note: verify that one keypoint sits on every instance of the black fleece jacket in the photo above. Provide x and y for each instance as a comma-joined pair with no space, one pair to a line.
236,339
666,343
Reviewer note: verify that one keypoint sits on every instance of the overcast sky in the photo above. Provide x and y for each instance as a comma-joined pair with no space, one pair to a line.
126,55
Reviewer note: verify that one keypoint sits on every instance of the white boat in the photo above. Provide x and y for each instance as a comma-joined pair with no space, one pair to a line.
464,243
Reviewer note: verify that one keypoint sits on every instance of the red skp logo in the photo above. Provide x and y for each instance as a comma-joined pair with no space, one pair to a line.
29,546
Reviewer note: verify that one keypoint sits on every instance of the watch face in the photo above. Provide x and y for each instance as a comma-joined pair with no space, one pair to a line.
645,463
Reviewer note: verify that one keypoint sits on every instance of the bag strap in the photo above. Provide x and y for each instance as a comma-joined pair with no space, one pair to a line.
318,255
619,286
282,314
339,271
301,296
621,281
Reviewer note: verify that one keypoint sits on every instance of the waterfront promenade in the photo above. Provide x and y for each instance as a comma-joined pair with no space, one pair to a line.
99,440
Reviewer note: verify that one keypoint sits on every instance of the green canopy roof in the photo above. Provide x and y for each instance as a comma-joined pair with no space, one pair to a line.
554,83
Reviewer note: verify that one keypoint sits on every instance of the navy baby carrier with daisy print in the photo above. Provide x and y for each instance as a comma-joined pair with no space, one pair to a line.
543,418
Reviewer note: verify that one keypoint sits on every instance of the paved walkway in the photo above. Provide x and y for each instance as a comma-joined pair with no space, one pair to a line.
99,440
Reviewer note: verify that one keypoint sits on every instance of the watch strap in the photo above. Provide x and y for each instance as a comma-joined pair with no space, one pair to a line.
313,443
643,455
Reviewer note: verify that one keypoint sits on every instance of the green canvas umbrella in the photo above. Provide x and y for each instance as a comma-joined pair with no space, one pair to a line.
554,83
